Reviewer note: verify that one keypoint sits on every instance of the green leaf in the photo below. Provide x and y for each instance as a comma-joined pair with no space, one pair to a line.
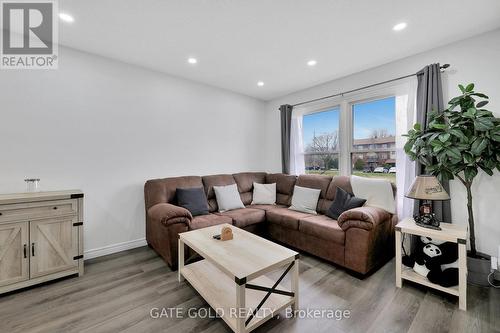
434,136
485,169
481,104
437,125
470,113
445,175
444,137
490,163
461,87
437,149
479,95
417,127
470,173
459,134
468,158
470,87
454,153
436,143
408,147
479,145
483,124
484,113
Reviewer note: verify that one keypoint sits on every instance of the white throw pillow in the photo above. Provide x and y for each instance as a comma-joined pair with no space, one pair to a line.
376,192
228,198
305,199
264,194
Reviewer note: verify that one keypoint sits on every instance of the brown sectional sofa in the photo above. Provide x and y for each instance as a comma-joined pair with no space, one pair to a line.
361,240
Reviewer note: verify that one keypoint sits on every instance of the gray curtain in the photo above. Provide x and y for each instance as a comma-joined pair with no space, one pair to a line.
286,121
430,97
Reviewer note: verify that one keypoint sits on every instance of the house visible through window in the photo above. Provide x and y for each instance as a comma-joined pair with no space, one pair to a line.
374,126
321,142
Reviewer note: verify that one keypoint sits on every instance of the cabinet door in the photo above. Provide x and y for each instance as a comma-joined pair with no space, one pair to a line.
53,244
14,261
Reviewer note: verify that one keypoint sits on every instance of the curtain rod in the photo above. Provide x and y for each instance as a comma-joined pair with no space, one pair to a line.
365,87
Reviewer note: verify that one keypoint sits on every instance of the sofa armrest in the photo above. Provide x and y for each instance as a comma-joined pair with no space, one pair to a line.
169,214
364,217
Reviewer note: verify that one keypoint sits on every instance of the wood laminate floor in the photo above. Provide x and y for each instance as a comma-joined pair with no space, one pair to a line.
118,291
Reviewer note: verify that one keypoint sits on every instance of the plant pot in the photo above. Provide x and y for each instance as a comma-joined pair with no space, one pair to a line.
478,268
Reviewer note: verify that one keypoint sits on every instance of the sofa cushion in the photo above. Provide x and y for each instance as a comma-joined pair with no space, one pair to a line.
264,194
305,199
343,201
266,207
284,187
323,227
203,221
245,216
215,180
228,198
193,199
245,181
319,182
286,217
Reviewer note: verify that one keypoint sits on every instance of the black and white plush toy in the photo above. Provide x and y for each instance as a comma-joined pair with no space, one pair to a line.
437,260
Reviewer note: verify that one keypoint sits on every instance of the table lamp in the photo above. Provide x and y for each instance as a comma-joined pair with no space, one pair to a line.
427,188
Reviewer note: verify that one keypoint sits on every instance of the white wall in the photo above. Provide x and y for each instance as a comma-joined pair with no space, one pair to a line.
106,127
473,60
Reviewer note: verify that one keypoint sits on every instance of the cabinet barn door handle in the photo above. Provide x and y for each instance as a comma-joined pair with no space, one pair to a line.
32,249
25,251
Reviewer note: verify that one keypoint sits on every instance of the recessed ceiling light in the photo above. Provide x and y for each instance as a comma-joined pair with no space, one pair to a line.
399,26
192,61
312,63
66,17
260,83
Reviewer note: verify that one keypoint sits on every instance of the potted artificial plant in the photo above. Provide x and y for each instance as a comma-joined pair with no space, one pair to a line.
458,143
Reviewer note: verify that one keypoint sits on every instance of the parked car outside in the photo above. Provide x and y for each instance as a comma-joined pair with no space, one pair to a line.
392,170
379,170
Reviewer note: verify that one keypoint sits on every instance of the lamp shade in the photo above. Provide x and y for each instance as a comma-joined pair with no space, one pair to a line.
427,188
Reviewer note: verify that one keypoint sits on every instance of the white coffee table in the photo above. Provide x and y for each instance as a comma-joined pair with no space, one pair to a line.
231,276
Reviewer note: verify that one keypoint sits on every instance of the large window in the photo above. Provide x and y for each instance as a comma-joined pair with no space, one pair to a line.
355,137
373,152
321,142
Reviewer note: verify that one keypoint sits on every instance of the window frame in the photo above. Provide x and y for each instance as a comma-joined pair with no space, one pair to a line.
346,117
306,111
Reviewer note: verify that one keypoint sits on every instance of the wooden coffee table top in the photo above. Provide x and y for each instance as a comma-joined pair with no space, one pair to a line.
245,256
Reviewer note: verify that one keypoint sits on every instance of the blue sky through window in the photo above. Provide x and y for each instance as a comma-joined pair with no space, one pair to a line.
374,115
321,123
367,117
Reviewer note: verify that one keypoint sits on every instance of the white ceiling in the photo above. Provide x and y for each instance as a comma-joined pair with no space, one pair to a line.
239,42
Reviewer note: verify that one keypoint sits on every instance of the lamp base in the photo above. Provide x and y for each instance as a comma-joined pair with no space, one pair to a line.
428,226
427,221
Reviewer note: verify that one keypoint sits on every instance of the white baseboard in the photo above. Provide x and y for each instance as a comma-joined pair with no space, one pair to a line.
110,249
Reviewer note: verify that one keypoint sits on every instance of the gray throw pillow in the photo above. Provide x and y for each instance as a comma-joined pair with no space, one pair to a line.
193,199
305,199
343,201
228,198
